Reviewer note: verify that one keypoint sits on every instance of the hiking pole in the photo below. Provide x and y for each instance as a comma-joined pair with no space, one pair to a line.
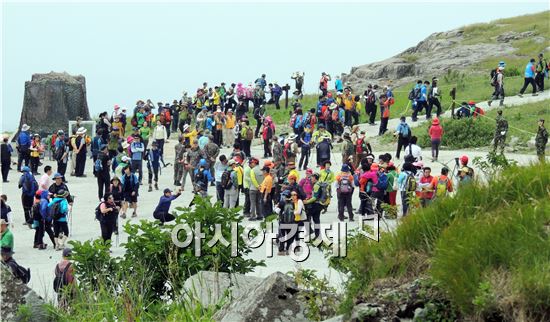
71,218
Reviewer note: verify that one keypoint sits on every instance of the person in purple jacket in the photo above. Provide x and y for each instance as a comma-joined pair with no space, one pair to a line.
161,211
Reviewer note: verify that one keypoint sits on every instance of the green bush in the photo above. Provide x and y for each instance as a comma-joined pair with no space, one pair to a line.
459,134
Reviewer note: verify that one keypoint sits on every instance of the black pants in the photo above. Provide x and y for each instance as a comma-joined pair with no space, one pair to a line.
314,213
347,117
163,216
48,228
365,208
371,111
304,158
258,126
153,173
39,233
60,227
539,80
435,148
379,199
34,164
526,82
103,182
26,202
62,168
175,122
246,209
220,192
5,169
284,233
401,143
267,149
137,165
107,229
434,101
245,144
276,100
267,205
344,201
383,126
23,156
80,164
420,105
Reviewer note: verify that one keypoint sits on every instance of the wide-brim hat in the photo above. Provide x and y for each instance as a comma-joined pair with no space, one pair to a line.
81,130
25,127
185,127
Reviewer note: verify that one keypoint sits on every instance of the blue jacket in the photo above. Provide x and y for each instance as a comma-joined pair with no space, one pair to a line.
134,182
24,139
137,151
165,202
210,123
423,93
277,90
403,129
529,73
63,208
338,84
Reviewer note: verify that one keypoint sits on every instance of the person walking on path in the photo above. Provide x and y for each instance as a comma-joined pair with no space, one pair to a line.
102,171
498,83
344,182
65,281
403,133
28,186
161,212
108,214
5,153
436,133
500,133
23,145
58,208
540,140
541,71
230,182
529,78
130,188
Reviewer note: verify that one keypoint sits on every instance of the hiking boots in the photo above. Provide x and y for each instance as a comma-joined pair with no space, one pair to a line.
123,215
156,186
150,188
134,215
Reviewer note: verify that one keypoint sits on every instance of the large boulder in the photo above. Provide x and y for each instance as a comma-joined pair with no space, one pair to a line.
15,294
52,99
275,299
208,288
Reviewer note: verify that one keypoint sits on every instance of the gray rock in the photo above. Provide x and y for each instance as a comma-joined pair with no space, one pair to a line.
365,312
274,299
209,288
15,294
512,35
338,318
51,100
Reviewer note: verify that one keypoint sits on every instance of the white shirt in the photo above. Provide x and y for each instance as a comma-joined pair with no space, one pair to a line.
45,182
416,151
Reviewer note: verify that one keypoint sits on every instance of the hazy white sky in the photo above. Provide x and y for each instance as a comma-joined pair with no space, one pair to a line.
129,51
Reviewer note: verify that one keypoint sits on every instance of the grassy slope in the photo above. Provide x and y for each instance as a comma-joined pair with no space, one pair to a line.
473,83
467,244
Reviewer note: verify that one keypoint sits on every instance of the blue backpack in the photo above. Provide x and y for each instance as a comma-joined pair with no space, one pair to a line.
30,186
298,122
382,183
98,166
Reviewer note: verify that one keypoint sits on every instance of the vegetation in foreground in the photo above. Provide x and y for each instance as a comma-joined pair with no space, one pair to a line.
487,248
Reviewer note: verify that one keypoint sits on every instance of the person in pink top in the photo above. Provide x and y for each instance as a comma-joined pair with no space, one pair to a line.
306,184
436,132
367,186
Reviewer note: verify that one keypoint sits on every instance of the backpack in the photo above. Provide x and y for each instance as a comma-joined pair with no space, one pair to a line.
441,188
167,116
410,183
22,273
287,215
494,77
227,183
54,210
249,134
323,196
371,99
344,185
60,279
30,186
408,133
361,146
98,166
287,151
200,179
382,183
306,120
133,121
414,94
298,123
98,212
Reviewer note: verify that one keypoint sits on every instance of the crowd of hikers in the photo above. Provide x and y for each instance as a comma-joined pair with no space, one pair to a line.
219,117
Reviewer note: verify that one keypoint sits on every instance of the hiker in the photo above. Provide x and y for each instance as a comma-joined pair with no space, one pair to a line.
362,146
323,151
97,142
64,281
443,184
45,180
161,212
228,128
58,209
5,154
202,177
246,137
500,133
259,116
152,157
62,153
36,149
21,273
417,100
540,140
286,223
323,84
230,184
413,149
6,239
433,98
59,185
80,152
529,78
541,71
348,150
160,136
179,161
464,176
427,186
219,168
130,188
107,216
367,182
498,83
403,133
138,150
23,145
6,210
267,134
256,177
345,187
370,104
436,133
28,186
316,201
211,150
391,190
102,166
385,105
407,185
38,222
266,192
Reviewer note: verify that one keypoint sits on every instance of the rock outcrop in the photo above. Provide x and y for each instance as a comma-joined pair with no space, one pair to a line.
276,298
434,56
14,295
208,288
52,99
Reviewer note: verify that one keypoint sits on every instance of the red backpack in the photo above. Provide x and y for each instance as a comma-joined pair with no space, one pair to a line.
167,116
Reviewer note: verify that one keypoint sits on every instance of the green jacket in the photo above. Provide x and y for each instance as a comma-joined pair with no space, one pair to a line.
7,239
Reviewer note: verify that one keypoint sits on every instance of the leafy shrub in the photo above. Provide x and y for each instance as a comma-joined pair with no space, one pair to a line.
459,134
321,298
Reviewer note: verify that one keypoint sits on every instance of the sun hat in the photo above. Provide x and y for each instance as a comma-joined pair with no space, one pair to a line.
81,130
57,175
25,127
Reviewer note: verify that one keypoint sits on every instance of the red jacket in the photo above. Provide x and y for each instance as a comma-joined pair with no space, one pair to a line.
436,132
